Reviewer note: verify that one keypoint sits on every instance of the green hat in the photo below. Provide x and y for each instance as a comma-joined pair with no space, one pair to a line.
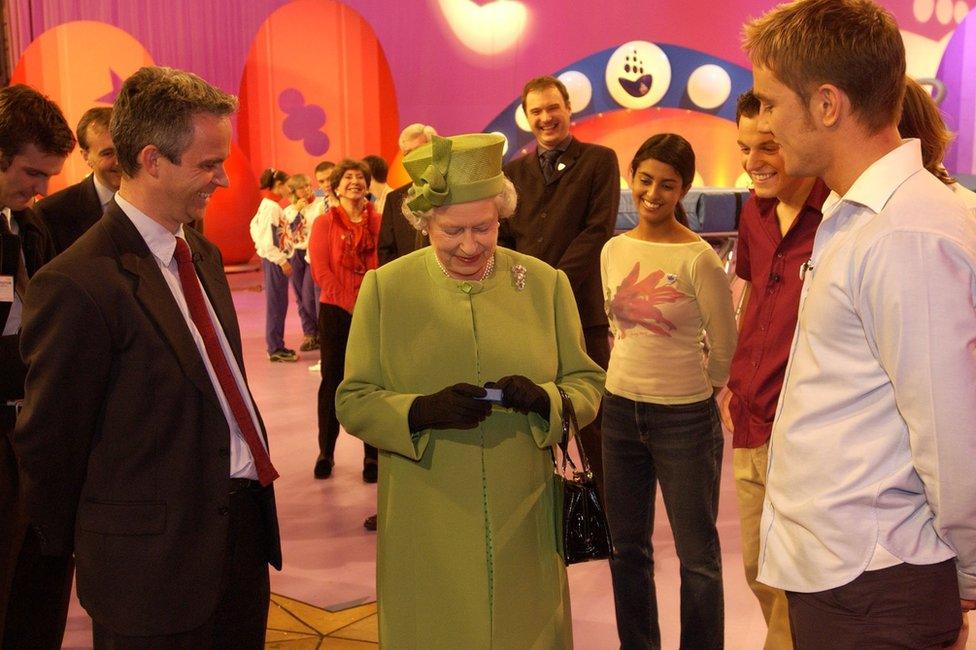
458,169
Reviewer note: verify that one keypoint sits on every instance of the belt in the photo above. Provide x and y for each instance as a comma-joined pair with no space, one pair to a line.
243,484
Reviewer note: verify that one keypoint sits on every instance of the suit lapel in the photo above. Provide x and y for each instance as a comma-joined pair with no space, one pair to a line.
92,209
566,160
156,299
534,166
211,275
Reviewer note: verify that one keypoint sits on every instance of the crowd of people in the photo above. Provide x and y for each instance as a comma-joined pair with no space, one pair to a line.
844,372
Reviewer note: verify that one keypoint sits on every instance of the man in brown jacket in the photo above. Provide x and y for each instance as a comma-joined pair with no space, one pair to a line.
153,468
569,192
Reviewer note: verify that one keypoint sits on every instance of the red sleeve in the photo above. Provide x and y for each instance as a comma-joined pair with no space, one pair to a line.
742,261
319,253
375,223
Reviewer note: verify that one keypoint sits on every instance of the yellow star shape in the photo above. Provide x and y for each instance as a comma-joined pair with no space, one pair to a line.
296,625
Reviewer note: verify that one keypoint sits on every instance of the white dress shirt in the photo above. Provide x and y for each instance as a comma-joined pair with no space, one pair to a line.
162,244
15,315
872,459
105,193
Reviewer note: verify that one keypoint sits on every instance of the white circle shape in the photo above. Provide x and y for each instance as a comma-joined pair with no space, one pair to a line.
638,74
521,121
922,9
744,181
709,86
962,9
579,87
504,146
943,11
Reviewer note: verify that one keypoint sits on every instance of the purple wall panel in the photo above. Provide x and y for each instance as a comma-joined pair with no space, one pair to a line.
438,79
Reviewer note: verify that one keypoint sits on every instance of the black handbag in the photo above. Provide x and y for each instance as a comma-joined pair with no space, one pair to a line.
582,532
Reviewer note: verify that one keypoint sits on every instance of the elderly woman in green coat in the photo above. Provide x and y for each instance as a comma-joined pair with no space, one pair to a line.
467,554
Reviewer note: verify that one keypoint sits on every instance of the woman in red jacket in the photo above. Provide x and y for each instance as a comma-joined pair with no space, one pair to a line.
342,247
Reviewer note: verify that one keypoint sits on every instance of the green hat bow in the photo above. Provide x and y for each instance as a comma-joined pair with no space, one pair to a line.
430,190
458,169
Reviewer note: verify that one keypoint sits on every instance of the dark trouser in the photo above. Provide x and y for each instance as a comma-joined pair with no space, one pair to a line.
306,296
241,616
679,446
597,341
276,305
905,606
34,589
334,325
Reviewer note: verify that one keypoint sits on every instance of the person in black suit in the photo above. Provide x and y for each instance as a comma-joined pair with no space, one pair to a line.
73,210
35,140
569,192
154,468
397,236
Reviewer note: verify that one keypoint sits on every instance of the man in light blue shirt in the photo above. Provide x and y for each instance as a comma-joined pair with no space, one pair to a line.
869,522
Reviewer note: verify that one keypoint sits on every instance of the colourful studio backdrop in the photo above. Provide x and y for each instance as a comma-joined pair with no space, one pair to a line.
322,79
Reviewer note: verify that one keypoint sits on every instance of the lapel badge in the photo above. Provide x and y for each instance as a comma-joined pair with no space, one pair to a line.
518,277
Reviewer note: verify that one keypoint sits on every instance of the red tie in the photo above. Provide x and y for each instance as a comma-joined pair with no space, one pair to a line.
201,318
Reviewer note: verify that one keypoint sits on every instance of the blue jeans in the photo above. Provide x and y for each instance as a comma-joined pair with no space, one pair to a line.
307,296
276,296
680,447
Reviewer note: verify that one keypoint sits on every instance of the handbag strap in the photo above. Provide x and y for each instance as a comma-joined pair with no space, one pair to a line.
570,426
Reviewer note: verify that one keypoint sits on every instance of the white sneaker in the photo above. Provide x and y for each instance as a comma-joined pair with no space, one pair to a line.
315,367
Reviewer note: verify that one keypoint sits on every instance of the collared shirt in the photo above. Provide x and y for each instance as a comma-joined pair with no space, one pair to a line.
560,147
771,262
162,244
873,451
15,315
105,193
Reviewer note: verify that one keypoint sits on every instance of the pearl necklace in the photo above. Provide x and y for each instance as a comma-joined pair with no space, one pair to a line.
489,267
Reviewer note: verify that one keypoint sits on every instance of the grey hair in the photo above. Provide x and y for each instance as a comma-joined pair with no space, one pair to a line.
505,201
414,132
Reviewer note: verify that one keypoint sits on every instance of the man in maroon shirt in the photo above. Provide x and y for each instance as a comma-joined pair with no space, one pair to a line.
776,230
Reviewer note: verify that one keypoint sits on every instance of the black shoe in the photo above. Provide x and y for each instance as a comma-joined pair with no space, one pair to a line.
323,468
284,354
370,472
370,523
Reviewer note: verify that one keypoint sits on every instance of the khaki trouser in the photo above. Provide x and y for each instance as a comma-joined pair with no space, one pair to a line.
749,470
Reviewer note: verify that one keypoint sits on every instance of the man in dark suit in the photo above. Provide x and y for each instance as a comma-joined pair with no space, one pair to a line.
73,210
154,467
34,141
397,236
569,192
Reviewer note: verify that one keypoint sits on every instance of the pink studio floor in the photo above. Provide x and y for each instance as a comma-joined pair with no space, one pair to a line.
329,557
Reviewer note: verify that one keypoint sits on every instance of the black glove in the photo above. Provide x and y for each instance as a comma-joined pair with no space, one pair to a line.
454,407
524,395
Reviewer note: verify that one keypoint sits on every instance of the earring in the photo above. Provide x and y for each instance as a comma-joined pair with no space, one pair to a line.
424,232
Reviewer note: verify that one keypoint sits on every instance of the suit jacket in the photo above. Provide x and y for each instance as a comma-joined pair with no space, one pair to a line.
35,242
397,236
567,221
70,212
123,447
